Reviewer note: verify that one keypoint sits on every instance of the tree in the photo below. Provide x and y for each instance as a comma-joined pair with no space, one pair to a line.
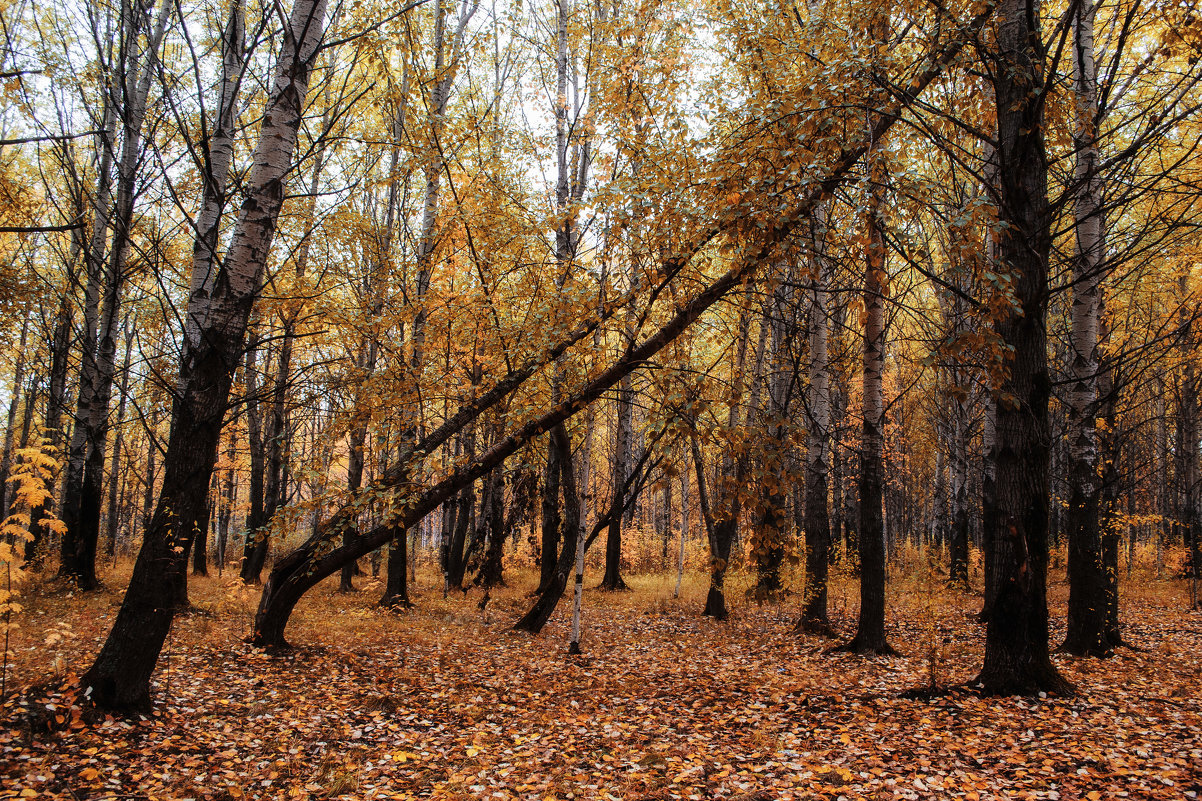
1016,513
218,311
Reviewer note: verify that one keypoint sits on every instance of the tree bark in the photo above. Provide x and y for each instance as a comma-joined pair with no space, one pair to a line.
217,319
1016,514
1087,607
820,441
870,631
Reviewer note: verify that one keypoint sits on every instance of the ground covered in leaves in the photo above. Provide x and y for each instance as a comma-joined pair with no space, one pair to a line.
444,701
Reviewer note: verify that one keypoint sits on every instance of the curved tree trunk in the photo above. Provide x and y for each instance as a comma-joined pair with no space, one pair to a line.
213,341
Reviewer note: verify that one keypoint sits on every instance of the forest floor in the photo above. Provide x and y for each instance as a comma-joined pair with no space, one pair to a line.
444,701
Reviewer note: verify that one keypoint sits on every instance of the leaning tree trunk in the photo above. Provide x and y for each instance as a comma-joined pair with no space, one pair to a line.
299,571
1016,514
214,334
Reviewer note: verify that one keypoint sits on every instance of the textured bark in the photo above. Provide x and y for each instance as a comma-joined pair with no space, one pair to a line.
870,630
815,617
493,519
120,676
1016,514
396,585
1086,633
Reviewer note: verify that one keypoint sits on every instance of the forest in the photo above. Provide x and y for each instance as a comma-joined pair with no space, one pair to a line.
600,399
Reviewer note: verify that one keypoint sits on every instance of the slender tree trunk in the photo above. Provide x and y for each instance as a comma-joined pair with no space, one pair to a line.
534,620
815,618
620,473
1086,629
112,518
254,547
120,676
870,631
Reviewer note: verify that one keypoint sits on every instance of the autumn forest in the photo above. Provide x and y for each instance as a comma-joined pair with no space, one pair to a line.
601,399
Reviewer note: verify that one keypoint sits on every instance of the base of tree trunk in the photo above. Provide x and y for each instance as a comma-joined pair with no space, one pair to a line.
818,626
617,584
573,648
1099,647
865,646
715,605
1032,680
395,602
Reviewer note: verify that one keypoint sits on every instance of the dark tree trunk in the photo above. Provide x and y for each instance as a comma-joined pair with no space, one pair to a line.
612,578
1016,517
544,606
551,522
490,574
200,546
354,480
213,342
870,631
454,557
715,597
396,587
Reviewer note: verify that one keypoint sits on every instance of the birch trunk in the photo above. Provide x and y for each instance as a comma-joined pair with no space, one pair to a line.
120,676
1086,628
